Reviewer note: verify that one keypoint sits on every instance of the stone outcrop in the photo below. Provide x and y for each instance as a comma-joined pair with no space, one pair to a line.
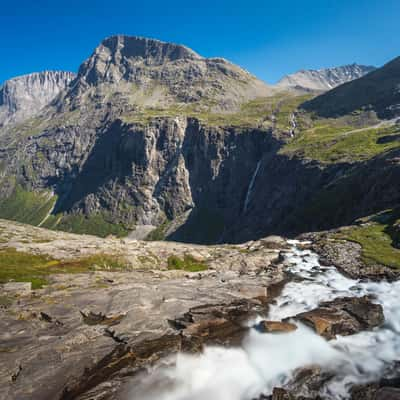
325,78
84,333
23,97
343,316
347,257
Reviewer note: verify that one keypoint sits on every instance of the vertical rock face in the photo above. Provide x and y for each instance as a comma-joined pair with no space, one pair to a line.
324,79
24,96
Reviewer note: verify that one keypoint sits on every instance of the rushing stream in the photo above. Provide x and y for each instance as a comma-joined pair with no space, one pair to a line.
268,360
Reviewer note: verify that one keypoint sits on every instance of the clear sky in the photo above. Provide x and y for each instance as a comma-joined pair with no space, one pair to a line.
268,38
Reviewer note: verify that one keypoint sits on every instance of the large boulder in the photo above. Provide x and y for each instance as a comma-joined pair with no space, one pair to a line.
343,316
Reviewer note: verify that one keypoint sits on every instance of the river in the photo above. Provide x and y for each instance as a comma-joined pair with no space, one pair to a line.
265,361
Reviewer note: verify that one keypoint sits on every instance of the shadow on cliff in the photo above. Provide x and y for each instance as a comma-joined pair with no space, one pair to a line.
111,160
291,196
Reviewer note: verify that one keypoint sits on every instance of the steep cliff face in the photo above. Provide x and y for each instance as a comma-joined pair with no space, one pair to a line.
324,79
151,133
23,97
144,175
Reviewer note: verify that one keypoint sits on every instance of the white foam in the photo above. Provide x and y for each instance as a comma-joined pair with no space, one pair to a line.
268,360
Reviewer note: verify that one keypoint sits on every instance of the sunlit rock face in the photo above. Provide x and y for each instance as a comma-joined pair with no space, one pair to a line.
325,78
24,96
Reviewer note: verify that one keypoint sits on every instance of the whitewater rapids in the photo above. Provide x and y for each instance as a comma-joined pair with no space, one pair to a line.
265,361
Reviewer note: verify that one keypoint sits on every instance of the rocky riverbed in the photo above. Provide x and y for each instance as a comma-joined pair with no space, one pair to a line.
261,320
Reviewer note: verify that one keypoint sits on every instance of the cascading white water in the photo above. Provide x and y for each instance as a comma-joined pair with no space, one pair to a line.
268,360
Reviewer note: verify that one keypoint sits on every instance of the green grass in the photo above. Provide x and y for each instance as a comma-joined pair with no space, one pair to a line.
377,240
158,233
253,113
332,141
188,263
95,224
26,206
26,267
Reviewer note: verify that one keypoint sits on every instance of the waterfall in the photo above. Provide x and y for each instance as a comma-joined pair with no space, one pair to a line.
251,185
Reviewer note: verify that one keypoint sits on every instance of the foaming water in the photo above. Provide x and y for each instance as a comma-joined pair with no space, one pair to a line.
265,361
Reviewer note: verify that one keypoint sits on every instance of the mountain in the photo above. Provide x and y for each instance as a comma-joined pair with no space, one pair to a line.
378,91
324,79
149,72
152,136
24,96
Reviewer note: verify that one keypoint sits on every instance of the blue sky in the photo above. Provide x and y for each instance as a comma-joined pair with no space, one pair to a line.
268,38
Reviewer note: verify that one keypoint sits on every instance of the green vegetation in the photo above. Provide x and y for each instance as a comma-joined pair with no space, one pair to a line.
27,207
188,263
159,233
333,141
253,113
92,225
26,267
378,238
34,208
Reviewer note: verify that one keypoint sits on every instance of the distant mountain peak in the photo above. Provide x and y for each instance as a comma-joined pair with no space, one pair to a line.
24,96
325,78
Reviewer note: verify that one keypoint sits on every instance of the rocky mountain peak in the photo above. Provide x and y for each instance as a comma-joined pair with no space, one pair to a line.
325,78
24,96
151,72
124,52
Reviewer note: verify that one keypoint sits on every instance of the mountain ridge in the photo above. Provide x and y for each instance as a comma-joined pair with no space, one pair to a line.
378,91
324,78
24,96
153,134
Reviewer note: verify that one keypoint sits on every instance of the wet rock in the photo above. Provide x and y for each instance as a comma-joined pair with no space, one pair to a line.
343,316
388,393
275,327
274,242
219,323
384,389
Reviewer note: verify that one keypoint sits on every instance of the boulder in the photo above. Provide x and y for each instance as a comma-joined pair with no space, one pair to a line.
343,316
387,393
275,327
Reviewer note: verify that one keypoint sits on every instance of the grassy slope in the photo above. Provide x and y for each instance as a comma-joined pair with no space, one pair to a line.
25,267
188,263
28,207
378,238
330,141
33,207
93,225
253,113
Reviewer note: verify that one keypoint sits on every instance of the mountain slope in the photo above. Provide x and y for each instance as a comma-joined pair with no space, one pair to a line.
24,96
152,134
324,79
378,91
148,72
